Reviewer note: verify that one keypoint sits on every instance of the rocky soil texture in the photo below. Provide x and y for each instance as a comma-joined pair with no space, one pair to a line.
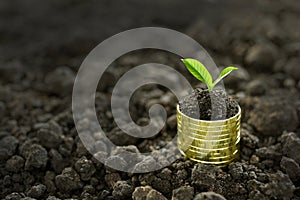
41,154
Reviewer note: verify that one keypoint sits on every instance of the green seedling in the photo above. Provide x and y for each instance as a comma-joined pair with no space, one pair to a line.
199,71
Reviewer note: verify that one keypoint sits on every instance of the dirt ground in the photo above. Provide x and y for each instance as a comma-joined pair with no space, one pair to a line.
42,44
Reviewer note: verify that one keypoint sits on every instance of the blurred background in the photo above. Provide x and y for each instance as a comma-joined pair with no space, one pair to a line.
48,34
58,32
43,43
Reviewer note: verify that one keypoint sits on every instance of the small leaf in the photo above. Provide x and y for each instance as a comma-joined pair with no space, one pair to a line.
224,73
198,70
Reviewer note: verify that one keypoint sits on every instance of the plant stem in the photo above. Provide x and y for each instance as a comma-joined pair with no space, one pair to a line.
210,88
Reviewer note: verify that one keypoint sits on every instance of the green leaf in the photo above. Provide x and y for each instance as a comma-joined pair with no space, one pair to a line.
198,70
223,74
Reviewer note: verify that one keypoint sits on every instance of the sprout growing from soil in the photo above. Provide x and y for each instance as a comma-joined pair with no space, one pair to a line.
199,71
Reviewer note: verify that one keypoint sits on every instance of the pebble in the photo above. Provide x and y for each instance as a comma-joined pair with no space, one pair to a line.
252,175
60,81
256,88
85,168
82,149
122,190
155,195
140,193
209,196
292,168
120,138
262,177
58,163
49,181
203,176
253,184
37,157
13,196
68,181
112,178
146,165
165,174
52,198
89,189
271,118
261,57
86,195
183,193
257,195
270,152
162,185
248,139
15,163
8,146
254,159
236,170
24,149
37,191
125,152
117,162
103,195
147,193
28,178
100,146
50,135
291,146
280,186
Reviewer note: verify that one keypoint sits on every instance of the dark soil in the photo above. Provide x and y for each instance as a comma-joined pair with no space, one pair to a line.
203,99
42,44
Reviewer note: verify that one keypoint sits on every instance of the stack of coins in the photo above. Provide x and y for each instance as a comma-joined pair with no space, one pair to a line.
209,142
